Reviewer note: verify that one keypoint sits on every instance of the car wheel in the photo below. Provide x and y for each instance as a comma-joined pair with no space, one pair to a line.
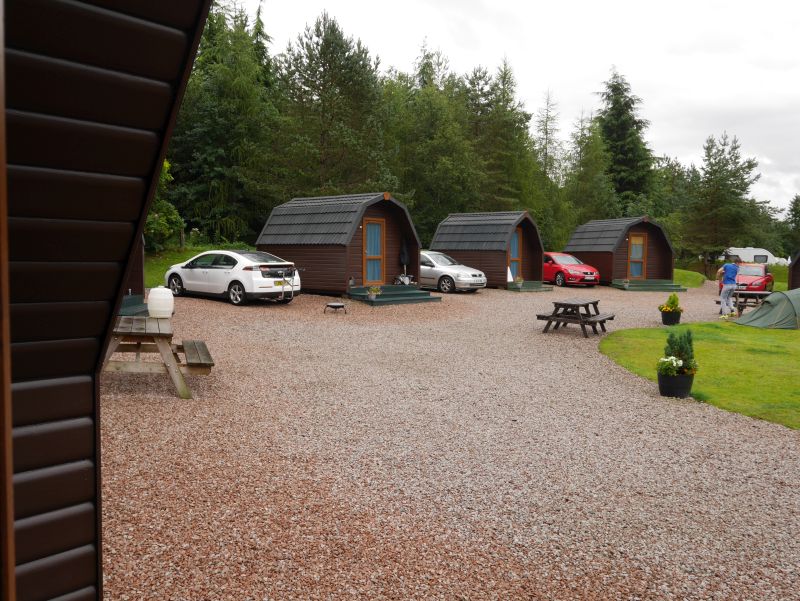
176,285
237,294
446,284
560,279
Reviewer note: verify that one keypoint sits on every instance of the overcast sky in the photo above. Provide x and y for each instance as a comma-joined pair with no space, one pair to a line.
701,68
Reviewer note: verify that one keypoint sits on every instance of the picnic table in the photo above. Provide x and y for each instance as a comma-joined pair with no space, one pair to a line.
581,311
139,334
747,298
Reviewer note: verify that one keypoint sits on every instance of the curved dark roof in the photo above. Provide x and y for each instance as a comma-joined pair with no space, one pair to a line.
479,231
604,235
323,219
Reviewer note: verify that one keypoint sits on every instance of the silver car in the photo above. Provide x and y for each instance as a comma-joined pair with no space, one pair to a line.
443,272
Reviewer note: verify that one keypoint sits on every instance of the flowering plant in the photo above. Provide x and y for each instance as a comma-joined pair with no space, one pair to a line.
376,290
672,305
679,356
518,280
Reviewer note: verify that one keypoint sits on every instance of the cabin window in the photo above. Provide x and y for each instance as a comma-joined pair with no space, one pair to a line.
637,257
515,253
759,258
374,230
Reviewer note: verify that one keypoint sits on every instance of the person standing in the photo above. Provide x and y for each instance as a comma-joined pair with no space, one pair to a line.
728,273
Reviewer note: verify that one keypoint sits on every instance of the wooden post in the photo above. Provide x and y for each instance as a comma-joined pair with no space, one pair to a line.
7,557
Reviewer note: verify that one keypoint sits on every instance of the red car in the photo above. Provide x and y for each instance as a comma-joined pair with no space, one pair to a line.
563,269
753,277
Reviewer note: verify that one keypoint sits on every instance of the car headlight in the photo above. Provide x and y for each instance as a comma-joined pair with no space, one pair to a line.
463,276
573,272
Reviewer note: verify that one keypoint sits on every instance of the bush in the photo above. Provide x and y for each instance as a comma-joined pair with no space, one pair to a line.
678,356
163,225
672,305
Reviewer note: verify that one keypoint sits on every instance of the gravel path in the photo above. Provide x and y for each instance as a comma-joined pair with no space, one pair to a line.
439,451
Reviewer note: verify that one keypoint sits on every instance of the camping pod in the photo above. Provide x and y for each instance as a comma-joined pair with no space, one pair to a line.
338,241
633,249
499,244
92,91
794,272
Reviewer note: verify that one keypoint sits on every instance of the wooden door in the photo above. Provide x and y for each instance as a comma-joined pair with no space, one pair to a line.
374,251
515,253
637,257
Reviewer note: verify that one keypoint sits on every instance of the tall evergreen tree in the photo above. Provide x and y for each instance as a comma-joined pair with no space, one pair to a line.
719,215
791,240
332,130
623,132
221,131
588,189
548,146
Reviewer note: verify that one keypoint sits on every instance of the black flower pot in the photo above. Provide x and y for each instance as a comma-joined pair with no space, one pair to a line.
670,318
675,386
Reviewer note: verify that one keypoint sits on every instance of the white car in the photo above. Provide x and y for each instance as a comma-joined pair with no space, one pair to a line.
240,276
445,274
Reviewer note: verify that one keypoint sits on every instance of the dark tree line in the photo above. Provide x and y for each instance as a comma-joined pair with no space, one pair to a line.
321,118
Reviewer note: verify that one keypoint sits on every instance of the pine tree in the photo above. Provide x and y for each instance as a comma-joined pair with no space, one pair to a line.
623,132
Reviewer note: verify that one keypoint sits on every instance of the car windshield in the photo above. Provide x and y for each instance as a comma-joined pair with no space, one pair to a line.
751,270
261,257
442,259
567,260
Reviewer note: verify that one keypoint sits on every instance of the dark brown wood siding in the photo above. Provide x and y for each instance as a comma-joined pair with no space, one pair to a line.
323,267
794,274
135,283
327,269
7,552
659,256
603,261
92,93
493,263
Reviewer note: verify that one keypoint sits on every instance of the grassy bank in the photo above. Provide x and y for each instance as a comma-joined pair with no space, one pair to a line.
688,279
747,370
156,264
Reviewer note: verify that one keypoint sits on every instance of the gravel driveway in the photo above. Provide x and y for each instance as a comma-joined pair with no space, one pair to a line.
441,451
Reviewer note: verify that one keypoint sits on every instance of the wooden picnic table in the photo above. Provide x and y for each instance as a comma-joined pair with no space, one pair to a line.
581,311
139,334
747,298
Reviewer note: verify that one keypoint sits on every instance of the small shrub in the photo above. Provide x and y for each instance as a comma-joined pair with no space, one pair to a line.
678,356
672,305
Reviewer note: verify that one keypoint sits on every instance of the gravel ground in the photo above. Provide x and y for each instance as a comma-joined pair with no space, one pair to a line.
437,451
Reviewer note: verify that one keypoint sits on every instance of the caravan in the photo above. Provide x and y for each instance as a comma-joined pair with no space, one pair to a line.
754,255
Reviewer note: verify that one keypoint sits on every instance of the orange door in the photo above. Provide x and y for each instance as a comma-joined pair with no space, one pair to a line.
515,253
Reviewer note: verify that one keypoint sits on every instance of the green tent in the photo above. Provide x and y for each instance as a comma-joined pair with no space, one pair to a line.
780,310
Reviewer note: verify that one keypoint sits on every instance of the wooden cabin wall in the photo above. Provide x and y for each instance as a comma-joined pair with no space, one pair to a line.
493,263
323,267
794,274
92,94
659,256
397,228
603,261
532,258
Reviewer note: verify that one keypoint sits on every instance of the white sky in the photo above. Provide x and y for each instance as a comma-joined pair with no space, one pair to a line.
700,68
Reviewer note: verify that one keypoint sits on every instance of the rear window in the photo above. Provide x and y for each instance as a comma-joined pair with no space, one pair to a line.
759,258
751,270
261,257
567,260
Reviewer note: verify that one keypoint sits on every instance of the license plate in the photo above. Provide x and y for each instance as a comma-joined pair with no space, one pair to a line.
589,277
281,283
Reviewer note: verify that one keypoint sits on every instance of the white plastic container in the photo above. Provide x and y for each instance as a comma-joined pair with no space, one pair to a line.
160,302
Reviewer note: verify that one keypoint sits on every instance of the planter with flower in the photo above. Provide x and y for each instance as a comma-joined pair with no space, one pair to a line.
671,311
677,368
373,292
519,281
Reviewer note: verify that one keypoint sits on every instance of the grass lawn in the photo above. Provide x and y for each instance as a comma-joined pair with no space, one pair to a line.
688,279
156,264
747,370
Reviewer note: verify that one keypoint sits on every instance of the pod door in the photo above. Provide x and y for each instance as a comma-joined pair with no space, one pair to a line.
515,254
637,257
374,252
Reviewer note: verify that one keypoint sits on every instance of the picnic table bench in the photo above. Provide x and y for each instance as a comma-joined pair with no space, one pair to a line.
139,334
743,299
580,311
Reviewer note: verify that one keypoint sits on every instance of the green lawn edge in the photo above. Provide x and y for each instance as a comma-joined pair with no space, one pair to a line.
688,279
746,370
